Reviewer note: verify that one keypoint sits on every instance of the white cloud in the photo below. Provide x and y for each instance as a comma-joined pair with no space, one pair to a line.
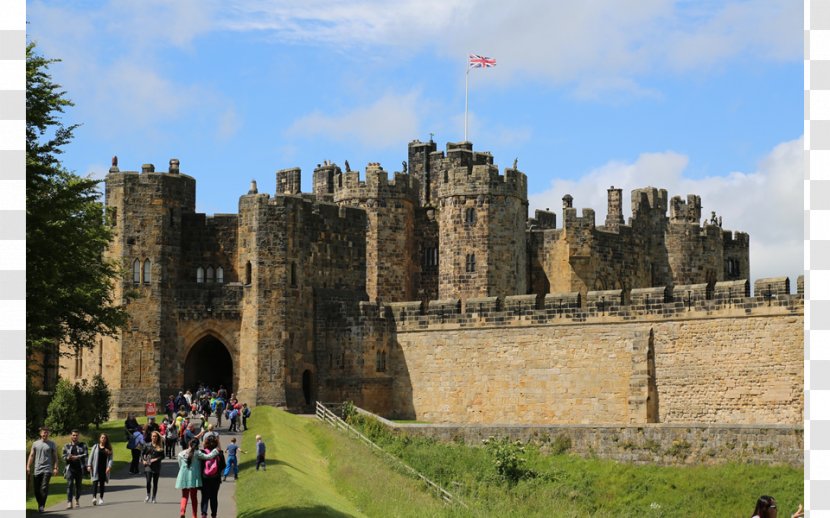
766,203
387,122
597,46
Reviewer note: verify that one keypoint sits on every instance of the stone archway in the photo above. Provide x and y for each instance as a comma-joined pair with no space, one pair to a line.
209,362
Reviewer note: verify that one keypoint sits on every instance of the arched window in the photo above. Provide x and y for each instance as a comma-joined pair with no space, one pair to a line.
209,276
147,272
248,272
220,275
200,275
136,272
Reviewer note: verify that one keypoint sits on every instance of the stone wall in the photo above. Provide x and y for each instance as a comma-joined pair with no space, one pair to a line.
663,444
737,362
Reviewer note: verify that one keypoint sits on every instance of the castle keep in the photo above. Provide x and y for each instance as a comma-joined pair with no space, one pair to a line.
431,294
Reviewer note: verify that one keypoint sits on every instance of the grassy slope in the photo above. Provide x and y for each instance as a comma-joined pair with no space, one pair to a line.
57,487
315,471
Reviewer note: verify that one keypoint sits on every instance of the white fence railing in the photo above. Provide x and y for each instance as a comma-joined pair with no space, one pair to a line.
326,415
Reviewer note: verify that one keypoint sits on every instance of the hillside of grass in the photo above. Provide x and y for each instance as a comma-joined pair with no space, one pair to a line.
567,485
313,470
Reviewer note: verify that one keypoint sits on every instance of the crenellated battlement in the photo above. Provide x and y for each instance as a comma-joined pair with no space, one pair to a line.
727,299
648,199
572,222
377,186
482,180
685,211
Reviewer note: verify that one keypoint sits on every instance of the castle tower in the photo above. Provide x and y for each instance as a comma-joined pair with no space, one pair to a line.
481,219
614,218
146,210
288,181
323,179
695,253
419,167
391,265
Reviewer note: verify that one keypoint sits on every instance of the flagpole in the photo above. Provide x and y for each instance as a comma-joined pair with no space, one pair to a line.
466,95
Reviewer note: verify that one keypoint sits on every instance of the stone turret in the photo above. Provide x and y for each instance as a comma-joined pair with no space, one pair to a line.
288,181
147,210
391,257
481,219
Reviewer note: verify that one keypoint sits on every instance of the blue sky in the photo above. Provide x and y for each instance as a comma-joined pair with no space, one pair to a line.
701,97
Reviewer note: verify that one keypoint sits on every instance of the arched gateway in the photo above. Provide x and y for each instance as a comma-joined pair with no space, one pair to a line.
209,362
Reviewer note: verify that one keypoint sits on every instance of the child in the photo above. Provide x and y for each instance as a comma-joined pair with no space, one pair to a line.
260,453
246,413
232,449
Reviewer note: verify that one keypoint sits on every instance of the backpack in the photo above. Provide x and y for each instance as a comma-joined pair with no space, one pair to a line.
211,468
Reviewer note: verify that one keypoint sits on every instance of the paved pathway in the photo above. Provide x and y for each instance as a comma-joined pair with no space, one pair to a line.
124,496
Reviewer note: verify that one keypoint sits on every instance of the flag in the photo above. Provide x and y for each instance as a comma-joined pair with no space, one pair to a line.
477,61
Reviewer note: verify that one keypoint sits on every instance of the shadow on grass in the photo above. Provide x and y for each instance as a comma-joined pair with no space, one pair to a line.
301,512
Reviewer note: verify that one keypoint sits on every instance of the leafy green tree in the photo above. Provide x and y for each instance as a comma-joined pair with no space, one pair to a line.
68,281
101,396
62,412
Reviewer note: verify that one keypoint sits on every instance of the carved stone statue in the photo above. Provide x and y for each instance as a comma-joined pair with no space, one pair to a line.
115,161
516,163
403,164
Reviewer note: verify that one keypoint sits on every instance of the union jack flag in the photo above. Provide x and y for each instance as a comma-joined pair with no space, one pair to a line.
477,61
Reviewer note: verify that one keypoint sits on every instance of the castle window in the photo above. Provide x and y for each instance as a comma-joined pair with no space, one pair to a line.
293,274
136,272
377,362
147,272
248,272
209,274
430,258
79,363
471,263
200,275
220,275
470,216
383,361
172,221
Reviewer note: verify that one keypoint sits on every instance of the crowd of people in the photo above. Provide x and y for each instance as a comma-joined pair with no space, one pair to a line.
202,462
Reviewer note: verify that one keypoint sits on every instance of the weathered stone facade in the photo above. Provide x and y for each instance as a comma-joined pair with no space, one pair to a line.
430,294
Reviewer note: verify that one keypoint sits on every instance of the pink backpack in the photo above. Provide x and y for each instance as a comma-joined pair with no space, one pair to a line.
211,466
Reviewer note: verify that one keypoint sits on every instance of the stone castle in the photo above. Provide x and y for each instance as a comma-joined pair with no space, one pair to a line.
431,294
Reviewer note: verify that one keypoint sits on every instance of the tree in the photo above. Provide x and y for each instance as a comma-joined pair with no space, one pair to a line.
69,283
62,413
100,395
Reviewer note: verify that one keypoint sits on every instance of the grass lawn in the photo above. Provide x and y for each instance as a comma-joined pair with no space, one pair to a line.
313,470
57,487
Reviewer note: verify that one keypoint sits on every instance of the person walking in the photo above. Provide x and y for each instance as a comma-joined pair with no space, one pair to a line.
136,445
260,453
99,465
233,416
74,455
189,478
211,476
151,458
232,463
246,413
44,456
171,437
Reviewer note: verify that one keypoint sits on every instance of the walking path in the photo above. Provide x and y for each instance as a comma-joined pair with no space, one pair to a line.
124,496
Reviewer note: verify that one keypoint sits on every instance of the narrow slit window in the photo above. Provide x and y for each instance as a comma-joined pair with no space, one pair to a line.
148,276
220,275
136,272
200,275
209,274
